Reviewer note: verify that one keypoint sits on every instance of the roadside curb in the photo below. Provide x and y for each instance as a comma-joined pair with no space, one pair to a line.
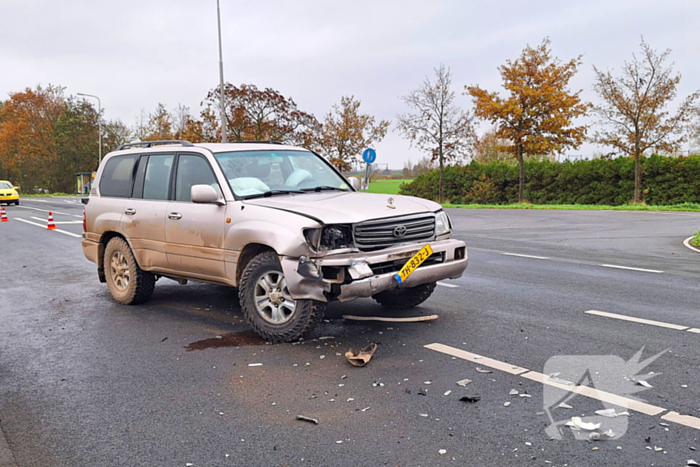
686,242
7,459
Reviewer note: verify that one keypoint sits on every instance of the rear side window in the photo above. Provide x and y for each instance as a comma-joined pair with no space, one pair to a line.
157,180
116,177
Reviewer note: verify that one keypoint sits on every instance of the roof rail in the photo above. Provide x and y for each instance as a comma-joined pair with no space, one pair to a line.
148,144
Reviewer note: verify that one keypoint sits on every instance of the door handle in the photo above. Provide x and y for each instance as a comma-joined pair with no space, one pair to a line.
130,211
174,216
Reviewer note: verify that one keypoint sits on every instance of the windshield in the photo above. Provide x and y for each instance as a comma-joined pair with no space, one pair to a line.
257,173
5,186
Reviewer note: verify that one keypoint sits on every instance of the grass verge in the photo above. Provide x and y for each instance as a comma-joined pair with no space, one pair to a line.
695,241
45,195
387,187
689,207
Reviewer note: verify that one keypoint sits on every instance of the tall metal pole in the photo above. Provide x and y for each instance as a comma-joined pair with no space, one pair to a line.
224,139
99,125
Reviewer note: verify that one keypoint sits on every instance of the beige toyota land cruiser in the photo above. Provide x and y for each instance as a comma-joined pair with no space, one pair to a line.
277,222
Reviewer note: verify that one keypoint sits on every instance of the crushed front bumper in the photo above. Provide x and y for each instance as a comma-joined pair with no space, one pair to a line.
352,275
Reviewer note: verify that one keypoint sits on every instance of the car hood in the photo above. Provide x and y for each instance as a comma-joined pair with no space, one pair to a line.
347,208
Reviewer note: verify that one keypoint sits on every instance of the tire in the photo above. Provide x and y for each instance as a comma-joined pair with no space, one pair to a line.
267,305
127,282
17,203
405,299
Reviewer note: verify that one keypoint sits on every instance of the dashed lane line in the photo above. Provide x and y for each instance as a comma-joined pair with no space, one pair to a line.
55,222
631,269
47,210
451,286
54,230
587,391
650,322
525,256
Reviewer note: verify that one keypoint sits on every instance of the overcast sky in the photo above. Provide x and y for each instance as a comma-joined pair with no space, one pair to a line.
135,54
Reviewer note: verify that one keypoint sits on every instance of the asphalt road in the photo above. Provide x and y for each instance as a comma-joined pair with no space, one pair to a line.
87,382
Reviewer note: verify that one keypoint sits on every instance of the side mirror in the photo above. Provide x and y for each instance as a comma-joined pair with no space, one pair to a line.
355,183
205,194
16,188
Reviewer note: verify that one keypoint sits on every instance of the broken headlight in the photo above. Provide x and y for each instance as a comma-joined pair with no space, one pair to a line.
330,237
442,224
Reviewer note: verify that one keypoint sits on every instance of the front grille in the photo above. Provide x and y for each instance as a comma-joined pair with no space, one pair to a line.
395,266
378,234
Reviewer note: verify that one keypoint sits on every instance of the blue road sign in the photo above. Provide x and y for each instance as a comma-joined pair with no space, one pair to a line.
369,155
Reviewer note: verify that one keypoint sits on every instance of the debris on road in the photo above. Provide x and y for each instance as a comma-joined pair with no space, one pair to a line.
392,320
506,404
481,370
564,405
524,395
513,392
447,393
463,382
307,419
642,382
255,364
692,462
365,409
470,399
362,357
378,384
577,423
442,451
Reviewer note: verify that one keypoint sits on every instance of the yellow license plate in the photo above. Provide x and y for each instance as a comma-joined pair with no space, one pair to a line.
413,263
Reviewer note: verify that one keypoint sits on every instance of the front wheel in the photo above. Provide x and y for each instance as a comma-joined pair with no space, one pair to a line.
127,282
405,299
268,306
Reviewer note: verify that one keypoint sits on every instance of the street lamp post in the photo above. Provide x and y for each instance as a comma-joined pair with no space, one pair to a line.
99,125
224,138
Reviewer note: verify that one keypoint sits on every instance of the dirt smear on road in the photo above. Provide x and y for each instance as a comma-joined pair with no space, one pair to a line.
234,339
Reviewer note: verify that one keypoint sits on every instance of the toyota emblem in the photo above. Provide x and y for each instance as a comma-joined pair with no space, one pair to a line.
399,231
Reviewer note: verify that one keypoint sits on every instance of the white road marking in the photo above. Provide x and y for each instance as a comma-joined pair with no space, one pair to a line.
54,212
586,391
695,330
525,256
55,222
630,269
44,227
637,320
686,242
451,286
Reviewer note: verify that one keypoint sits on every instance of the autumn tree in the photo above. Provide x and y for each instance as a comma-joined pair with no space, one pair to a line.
114,134
347,132
437,125
27,134
76,139
490,147
160,124
263,115
634,111
187,127
538,112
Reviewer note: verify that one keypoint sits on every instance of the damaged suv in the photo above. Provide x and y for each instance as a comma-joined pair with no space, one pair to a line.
278,222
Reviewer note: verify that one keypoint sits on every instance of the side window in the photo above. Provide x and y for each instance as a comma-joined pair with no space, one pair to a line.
138,180
157,179
116,177
192,170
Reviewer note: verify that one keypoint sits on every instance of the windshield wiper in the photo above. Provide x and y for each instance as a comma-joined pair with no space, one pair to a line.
267,194
323,187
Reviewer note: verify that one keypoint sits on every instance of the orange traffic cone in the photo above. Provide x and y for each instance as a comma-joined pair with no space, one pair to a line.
50,225
3,216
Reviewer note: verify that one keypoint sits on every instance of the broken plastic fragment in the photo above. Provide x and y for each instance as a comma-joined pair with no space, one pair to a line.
255,364
641,382
524,395
610,413
658,449
365,409
442,451
564,405
513,392
362,357
463,382
609,433
447,393
506,404
470,399
307,419
481,370
578,423
422,414
692,462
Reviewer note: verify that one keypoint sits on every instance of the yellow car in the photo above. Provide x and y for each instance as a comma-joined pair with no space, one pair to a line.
8,193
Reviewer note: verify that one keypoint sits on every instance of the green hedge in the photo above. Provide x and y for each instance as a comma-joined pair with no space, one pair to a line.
665,181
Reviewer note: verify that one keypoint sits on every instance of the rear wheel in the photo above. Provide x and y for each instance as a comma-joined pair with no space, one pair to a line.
268,306
405,299
127,282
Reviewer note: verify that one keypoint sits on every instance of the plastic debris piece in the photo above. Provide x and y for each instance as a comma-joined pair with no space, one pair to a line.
414,319
664,424
595,448
422,414
343,377
442,451
528,443
594,435
189,464
447,393
513,392
610,413
350,399
322,357
481,370
427,382
658,449
579,423
470,399
524,395
641,382
506,404
692,462
422,392
365,409
339,442
609,433
255,364
362,357
564,406
377,384
325,338
307,419
463,382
